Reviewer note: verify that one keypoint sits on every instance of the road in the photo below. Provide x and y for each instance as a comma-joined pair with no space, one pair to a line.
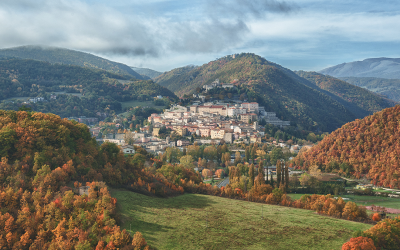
223,183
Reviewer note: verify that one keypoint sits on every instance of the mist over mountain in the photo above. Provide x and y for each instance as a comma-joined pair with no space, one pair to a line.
68,57
372,67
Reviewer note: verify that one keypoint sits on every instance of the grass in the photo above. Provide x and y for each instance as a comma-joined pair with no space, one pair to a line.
193,221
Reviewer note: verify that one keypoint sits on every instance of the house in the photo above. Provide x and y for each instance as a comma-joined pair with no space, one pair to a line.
250,106
128,149
181,143
83,190
247,117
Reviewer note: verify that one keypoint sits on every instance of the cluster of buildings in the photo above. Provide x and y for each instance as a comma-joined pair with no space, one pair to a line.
144,140
230,122
212,122
216,84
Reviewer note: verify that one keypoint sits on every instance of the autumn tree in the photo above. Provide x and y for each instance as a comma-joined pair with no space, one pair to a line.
187,161
251,174
238,158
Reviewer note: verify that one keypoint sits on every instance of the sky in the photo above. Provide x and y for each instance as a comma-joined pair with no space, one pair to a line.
165,34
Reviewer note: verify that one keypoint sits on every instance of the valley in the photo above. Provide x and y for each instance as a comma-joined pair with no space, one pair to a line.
300,155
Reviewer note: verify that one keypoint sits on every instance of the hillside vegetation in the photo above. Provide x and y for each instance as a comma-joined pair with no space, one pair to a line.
368,147
148,73
173,79
386,87
356,99
69,57
194,221
43,157
101,91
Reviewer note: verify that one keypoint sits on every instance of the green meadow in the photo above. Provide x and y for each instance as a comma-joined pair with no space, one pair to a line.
193,221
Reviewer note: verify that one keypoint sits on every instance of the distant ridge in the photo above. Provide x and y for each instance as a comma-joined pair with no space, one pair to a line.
147,72
68,57
372,67
386,87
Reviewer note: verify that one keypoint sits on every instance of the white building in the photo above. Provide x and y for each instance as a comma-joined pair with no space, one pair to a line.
128,149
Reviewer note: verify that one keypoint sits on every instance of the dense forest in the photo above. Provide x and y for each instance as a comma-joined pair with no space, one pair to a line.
98,90
56,55
44,161
363,148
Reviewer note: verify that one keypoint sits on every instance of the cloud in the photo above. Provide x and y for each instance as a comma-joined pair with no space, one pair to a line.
172,31
102,29
249,8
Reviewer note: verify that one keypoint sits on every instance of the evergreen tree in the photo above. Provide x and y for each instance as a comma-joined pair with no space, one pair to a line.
247,154
278,173
253,153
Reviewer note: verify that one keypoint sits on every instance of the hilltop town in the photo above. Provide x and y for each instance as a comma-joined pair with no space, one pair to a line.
201,123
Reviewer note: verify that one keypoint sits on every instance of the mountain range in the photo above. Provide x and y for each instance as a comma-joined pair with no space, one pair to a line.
372,67
379,75
310,100
307,99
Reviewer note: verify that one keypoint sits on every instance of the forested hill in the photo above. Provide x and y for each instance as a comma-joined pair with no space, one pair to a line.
99,90
359,101
386,87
43,157
69,57
278,89
173,79
367,147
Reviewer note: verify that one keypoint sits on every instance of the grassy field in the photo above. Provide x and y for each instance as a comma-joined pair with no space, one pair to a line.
193,221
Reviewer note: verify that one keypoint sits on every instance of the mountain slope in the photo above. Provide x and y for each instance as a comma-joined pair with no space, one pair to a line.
147,72
267,84
371,67
387,87
363,147
173,78
69,57
358,100
99,90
